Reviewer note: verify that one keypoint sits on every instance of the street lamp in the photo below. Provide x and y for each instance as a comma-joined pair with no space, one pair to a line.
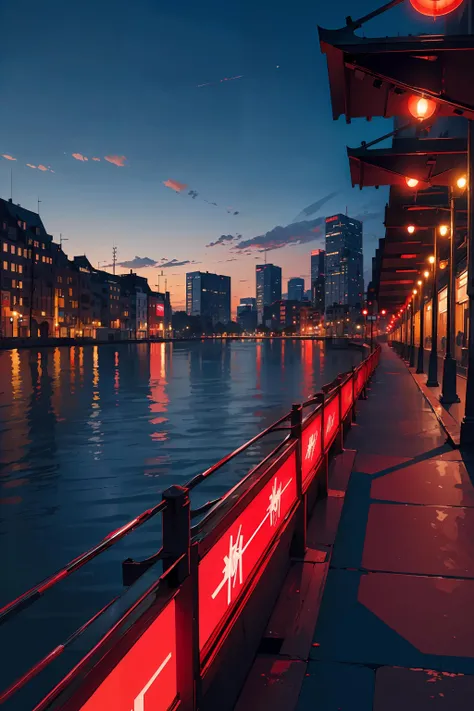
411,229
411,182
461,182
421,108
435,8
443,230
432,381
449,391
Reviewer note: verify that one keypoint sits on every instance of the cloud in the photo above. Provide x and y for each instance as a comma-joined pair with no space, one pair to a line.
368,216
79,156
138,263
278,237
42,167
30,165
175,263
224,239
193,194
7,156
116,160
96,159
314,207
175,185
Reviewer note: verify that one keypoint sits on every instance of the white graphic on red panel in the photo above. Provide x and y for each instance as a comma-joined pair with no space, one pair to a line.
139,703
311,446
233,561
330,424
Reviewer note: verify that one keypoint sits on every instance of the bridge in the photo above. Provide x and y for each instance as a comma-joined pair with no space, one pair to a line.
339,568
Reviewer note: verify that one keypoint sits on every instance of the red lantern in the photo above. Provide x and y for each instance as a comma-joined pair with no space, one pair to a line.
435,8
420,107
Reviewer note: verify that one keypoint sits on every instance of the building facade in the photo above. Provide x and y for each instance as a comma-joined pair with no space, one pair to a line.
208,296
159,314
318,279
296,289
268,278
344,266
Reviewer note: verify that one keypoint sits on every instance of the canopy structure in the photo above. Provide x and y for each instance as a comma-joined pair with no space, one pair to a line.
377,77
432,161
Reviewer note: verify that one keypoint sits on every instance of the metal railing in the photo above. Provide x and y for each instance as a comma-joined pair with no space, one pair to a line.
273,498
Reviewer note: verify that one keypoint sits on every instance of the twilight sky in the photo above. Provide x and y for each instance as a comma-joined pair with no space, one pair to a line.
138,86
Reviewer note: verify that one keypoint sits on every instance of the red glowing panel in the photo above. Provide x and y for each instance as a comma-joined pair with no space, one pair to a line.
346,397
331,219
435,8
311,449
360,382
331,421
160,309
145,678
225,569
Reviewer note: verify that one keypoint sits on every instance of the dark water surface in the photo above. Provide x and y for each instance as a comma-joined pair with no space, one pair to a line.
90,437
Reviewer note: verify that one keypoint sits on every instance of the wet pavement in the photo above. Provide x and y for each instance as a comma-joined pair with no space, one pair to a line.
396,628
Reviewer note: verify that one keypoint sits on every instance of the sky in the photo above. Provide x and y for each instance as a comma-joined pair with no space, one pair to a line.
205,126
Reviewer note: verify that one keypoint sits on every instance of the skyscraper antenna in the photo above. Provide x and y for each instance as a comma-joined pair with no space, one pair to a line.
114,258
265,256
62,239
39,201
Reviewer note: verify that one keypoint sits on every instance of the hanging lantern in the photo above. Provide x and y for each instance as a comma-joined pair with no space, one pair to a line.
420,107
436,8
411,182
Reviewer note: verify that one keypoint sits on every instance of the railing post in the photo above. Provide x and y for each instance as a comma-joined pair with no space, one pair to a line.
323,490
176,544
298,544
354,398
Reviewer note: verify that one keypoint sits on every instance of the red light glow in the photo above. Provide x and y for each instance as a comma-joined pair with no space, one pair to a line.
435,8
420,107
331,422
411,182
227,566
346,397
145,678
310,448
365,312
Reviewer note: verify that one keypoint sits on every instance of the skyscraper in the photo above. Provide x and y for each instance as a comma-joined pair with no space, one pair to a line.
268,287
295,289
344,261
208,296
318,279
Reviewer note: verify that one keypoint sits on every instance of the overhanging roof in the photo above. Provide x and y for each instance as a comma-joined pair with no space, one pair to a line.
375,77
432,161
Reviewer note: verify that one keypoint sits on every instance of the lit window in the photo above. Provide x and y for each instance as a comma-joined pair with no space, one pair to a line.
13,283
70,292
12,249
5,247
20,285
5,265
13,267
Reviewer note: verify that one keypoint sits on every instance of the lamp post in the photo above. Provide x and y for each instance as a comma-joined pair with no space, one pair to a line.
412,338
421,349
449,394
467,425
432,381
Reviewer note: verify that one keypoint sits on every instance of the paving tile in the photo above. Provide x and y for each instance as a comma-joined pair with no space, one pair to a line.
374,463
435,481
324,522
337,687
425,540
396,620
422,690
273,683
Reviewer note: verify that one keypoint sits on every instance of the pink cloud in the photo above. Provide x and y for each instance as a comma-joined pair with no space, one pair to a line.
79,156
7,156
30,165
174,185
94,158
116,160
42,167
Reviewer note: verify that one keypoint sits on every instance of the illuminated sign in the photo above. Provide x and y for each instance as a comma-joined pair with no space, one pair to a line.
346,397
160,309
331,219
331,421
311,447
145,678
225,569
360,379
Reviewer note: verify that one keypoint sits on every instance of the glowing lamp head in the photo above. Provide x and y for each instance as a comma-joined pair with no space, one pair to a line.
419,282
461,182
411,182
365,312
421,108
426,274
383,312
415,292
443,230
410,229
435,8
431,259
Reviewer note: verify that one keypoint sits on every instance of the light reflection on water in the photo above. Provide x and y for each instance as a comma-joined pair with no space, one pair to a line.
90,436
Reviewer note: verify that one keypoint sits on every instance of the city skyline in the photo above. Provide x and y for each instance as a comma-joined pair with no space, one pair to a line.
173,162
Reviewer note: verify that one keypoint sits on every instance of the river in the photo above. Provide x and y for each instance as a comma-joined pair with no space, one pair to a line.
90,436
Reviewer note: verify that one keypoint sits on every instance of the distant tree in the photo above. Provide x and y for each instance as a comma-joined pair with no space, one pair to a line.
234,328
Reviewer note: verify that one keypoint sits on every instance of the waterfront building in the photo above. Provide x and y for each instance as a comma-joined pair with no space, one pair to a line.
296,289
208,296
134,299
159,314
318,279
343,262
268,278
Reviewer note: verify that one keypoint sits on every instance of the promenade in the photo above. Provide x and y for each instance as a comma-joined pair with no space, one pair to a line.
395,627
